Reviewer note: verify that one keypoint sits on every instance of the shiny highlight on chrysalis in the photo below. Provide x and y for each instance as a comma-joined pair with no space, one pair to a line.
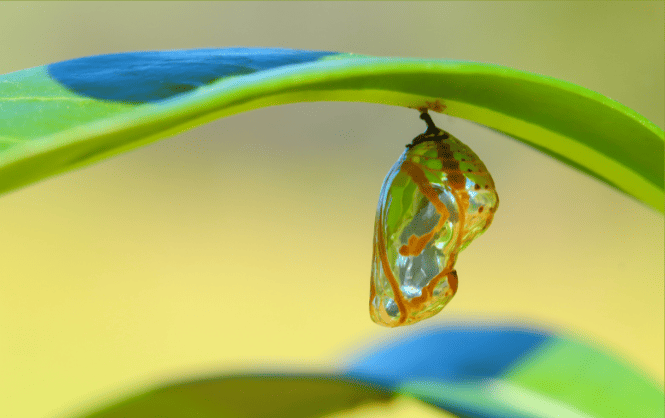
434,201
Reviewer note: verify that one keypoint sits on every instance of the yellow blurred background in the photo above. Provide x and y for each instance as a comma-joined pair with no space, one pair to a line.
246,243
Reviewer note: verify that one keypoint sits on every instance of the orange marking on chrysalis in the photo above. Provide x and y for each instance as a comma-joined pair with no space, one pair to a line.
383,256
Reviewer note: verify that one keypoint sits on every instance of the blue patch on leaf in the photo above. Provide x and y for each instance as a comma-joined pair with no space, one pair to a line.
140,77
447,354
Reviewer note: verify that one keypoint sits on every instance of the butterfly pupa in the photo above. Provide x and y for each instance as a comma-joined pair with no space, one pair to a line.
434,201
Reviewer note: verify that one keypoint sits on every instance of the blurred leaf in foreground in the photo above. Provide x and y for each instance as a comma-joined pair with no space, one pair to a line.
510,371
472,370
278,395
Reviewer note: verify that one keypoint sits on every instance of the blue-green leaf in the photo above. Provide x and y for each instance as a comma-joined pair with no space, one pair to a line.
62,116
467,370
508,371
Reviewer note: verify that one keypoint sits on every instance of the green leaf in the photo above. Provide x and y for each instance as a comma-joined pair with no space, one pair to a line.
510,371
63,116
245,396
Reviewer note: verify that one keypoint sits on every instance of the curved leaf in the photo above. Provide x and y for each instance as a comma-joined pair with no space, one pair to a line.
66,115
508,371
248,396
469,370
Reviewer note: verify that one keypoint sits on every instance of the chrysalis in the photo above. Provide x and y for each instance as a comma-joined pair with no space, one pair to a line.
435,200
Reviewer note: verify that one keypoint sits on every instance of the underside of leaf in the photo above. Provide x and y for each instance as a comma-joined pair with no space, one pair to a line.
66,115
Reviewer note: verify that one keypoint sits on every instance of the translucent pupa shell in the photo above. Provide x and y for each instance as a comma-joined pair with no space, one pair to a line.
434,201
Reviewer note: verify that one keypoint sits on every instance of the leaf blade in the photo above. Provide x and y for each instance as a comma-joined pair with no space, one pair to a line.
575,125
483,370
269,395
